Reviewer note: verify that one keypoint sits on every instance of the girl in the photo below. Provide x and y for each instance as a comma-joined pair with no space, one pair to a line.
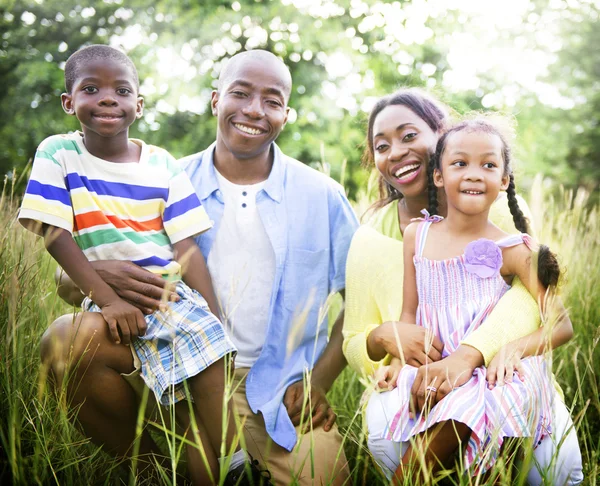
456,269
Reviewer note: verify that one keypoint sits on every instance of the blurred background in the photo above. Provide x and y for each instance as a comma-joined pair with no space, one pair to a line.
537,60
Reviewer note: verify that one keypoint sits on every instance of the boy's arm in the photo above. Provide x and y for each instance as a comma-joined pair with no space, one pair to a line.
117,313
195,272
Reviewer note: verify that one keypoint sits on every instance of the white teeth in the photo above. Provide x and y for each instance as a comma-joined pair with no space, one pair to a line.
400,172
475,193
251,131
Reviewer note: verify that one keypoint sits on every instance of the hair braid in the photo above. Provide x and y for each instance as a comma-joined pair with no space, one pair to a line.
431,187
518,217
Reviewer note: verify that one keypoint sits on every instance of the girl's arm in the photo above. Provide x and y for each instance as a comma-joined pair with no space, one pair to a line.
195,272
410,298
119,315
557,328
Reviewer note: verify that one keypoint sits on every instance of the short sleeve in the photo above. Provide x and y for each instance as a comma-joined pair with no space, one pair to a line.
46,199
342,226
183,215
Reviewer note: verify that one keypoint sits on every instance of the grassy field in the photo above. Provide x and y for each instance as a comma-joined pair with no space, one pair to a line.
39,445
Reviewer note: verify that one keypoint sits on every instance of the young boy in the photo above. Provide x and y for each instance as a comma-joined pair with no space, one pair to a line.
96,194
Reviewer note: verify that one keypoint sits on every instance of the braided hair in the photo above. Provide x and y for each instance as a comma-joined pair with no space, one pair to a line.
548,267
425,107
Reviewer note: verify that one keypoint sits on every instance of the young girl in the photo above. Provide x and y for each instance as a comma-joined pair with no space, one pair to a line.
456,269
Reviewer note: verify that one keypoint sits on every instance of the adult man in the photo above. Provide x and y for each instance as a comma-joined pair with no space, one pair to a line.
277,249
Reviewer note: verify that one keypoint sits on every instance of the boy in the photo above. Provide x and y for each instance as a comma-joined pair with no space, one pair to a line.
97,194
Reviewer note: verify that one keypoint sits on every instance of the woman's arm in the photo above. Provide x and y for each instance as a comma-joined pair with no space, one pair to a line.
371,330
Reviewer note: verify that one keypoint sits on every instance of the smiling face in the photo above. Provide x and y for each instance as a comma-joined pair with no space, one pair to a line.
402,145
251,106
472,170
104,98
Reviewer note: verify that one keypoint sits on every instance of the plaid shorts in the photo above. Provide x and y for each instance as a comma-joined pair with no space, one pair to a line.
179,343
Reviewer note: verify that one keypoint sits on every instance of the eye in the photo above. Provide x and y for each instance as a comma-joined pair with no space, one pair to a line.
459,163
275,103
89,89
237,92
123,91
409,136
380,147
490,165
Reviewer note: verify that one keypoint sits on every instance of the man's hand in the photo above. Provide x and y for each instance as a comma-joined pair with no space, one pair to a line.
124,321
135,285
301,407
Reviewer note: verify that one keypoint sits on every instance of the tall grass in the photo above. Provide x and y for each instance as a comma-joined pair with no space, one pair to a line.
39,445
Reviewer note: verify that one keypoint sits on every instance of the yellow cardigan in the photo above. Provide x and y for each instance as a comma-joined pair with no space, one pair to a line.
374,273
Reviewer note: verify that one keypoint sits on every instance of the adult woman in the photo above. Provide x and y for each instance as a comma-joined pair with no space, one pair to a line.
403,130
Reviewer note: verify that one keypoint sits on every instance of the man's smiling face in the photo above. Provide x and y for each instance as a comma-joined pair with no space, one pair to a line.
251,105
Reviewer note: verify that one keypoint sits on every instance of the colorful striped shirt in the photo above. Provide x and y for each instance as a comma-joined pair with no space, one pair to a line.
130,211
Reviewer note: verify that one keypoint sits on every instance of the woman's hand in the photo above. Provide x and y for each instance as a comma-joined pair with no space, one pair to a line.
135,285
413,344
506,362
435,380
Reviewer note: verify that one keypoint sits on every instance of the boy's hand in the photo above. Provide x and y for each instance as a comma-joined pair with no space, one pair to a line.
502,367
387,376
125,319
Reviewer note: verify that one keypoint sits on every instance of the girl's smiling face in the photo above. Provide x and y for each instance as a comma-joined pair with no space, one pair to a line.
402,146
472,170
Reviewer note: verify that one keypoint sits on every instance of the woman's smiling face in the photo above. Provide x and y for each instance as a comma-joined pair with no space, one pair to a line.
402,146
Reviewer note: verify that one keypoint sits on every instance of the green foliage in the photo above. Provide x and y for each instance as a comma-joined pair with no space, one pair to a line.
341,54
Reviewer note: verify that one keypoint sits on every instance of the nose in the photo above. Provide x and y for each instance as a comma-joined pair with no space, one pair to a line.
107,98
253,108
397,150
473,174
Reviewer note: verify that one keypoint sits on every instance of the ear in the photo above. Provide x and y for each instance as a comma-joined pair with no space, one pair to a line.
214,99
66,101
139,109
438,180
287,113
505,182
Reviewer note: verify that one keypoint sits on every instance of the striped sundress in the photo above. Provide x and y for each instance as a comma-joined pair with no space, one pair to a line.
453,303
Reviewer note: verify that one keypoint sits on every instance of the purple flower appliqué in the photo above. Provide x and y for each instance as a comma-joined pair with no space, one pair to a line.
483,258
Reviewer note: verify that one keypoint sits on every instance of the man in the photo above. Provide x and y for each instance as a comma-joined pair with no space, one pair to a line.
277,250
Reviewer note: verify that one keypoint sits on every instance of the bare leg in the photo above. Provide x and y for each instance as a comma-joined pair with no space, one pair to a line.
202,462
81,350
431,450
207,390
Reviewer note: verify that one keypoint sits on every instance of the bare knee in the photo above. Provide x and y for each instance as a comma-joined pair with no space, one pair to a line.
70,340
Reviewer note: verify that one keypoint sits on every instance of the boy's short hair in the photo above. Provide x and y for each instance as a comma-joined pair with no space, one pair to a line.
93,52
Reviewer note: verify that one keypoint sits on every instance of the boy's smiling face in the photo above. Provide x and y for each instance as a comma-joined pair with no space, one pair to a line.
251,106
104,98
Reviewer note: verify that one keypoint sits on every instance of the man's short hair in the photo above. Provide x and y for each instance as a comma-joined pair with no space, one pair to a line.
91,53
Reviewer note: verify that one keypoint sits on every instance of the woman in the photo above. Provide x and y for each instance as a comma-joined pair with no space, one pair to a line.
403,130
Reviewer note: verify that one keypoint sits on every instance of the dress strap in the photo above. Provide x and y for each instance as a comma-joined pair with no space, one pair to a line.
514,240
423,229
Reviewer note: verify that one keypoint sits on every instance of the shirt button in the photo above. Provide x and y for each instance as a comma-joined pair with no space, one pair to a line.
244,193
244,205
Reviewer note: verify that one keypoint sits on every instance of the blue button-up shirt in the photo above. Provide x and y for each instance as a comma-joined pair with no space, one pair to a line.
310,223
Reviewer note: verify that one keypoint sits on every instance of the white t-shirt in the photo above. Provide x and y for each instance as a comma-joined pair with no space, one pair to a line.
242,266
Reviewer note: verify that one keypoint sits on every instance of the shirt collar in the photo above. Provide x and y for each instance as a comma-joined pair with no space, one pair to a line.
273,185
